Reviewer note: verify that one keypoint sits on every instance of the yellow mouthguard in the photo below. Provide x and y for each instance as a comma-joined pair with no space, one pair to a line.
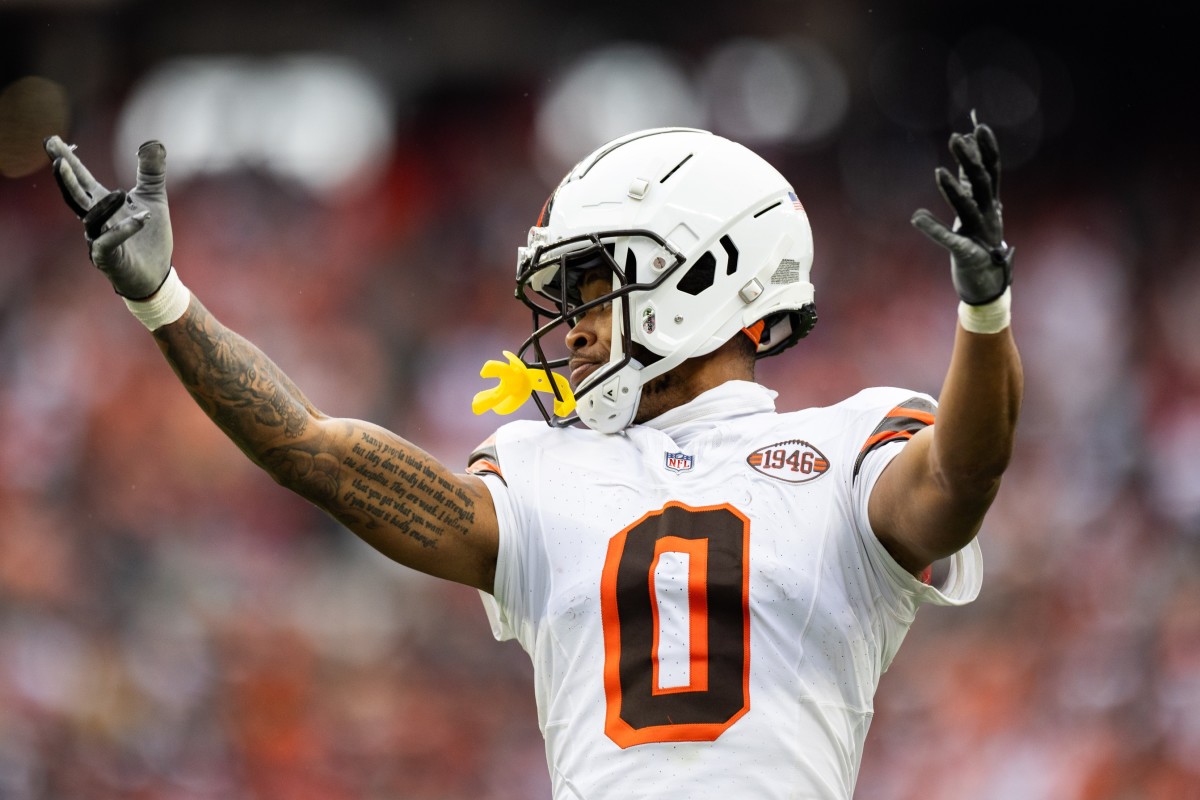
517,382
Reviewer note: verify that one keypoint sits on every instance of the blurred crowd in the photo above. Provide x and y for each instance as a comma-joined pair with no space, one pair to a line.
173,626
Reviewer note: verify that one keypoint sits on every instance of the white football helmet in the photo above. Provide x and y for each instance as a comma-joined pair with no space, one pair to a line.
703,237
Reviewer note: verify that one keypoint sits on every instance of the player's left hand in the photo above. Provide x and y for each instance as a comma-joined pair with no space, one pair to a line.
980,260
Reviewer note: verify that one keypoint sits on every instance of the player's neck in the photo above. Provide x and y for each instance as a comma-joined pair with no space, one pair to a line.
692,378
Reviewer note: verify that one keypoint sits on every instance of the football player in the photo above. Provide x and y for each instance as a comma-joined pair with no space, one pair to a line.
709,589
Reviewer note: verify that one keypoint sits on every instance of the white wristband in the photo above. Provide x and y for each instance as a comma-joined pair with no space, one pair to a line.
164,306
991,317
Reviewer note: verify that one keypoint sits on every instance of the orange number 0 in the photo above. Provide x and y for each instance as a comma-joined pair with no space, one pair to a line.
715,542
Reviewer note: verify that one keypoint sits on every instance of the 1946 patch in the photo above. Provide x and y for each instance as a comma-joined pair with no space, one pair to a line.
791,461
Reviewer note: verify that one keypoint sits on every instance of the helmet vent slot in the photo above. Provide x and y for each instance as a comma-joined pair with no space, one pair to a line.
768,208
700,276
732,252
676,168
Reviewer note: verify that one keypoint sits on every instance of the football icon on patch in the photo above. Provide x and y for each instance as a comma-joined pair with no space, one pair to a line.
793,461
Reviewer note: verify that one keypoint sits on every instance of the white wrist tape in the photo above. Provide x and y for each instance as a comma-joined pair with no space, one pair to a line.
164,306
991,317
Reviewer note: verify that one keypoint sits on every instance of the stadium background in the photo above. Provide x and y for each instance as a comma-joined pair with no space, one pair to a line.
174,626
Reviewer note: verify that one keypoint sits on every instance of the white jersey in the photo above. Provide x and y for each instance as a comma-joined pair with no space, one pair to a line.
707,609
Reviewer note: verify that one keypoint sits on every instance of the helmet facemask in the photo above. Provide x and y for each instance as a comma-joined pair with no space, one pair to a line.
608,397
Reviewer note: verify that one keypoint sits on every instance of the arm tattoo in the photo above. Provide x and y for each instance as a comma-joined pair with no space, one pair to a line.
400,490
387,491
233,381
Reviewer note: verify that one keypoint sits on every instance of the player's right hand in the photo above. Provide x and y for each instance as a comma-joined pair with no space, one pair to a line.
128,234
981,261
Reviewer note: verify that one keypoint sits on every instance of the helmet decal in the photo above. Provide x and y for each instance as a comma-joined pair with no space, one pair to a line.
787,272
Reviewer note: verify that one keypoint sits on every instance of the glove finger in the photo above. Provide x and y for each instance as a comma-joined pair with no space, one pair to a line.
101,213
117,235
57,149
77,198
152,169
989,151
961,201
970,163
961,247
931,226
941,234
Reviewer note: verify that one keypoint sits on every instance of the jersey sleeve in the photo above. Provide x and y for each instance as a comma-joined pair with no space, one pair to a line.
883,432
507,605
897,426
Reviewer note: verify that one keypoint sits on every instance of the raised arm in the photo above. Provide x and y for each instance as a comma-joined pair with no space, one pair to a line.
386,490
931,499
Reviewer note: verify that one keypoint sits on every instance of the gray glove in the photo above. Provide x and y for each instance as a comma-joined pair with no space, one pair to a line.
980,260
128,234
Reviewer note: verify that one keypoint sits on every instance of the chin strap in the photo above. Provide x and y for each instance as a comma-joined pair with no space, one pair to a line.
517,382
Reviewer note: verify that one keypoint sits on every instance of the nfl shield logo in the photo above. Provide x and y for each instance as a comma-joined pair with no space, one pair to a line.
679,462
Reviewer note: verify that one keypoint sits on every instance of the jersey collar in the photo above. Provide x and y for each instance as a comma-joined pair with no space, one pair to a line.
729,401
